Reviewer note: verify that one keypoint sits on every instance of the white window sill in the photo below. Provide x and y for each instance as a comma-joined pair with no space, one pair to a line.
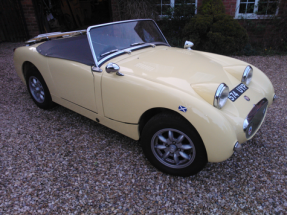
253,16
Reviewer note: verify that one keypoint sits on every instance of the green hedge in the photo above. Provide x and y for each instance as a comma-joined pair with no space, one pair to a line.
173,23
216,33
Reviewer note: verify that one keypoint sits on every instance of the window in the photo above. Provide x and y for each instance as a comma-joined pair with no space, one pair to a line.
255,8
247,6
164,6
267,7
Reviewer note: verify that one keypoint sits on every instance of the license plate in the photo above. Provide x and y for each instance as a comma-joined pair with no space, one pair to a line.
237,92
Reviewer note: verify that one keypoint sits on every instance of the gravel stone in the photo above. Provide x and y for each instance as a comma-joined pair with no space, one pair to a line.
59,162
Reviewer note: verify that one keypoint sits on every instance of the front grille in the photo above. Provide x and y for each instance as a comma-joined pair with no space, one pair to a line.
255,118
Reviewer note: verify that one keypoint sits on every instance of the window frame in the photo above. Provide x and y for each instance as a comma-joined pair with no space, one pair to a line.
172,3
253,15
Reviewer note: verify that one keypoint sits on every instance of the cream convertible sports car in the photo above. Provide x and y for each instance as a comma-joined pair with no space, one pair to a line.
186,107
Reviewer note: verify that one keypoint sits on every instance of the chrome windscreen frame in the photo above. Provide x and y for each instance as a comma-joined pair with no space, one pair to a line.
99,63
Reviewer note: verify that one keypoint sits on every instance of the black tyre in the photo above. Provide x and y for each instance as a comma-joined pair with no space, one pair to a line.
38,89
173,145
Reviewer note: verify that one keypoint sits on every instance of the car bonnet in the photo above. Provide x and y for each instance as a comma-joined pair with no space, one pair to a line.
180,68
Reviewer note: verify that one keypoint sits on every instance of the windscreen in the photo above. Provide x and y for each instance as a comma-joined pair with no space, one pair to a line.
111,38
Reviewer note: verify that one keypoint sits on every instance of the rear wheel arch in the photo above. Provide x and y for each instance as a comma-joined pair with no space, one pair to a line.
27,65
37,86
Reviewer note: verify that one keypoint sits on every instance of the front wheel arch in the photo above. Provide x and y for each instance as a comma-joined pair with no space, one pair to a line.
147,115
176,122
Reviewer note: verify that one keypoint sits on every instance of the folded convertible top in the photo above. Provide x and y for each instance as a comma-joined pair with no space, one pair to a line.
72,48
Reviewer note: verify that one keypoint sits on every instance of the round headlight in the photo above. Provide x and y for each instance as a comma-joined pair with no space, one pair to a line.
247,75
221,96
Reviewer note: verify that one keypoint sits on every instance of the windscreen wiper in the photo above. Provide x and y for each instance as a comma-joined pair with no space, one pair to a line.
109,52
136,44
141,43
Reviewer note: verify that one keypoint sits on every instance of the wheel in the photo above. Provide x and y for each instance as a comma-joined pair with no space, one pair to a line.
173,145
38,89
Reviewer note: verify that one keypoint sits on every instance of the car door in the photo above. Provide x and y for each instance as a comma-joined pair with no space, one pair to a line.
124,97
74,82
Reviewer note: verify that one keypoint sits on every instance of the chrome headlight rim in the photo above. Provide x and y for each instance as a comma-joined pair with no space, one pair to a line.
221,96
247,75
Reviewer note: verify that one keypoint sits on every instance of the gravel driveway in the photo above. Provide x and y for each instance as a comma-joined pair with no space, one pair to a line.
59,162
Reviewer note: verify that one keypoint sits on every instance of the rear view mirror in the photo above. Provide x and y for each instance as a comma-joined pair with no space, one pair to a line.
188,44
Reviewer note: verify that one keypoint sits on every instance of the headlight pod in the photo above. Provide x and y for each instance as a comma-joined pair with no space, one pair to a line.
247,75
221,96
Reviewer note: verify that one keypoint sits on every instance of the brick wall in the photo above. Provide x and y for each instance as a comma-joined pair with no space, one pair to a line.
30,17
282,7
230,6
199,3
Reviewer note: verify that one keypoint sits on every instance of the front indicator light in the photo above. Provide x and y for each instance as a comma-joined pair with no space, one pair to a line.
237,147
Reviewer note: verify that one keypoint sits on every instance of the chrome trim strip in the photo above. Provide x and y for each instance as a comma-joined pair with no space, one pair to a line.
79,105
96,69
91,47
121,51
109,52
122,121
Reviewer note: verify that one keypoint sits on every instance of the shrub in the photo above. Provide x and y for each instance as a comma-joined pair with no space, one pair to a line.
211,7
214,31
131,9
175,20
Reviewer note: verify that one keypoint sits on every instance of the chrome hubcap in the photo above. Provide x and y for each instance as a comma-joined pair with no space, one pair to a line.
36,89
173,148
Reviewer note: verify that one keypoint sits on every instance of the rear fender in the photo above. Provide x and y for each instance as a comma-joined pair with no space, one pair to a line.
30,54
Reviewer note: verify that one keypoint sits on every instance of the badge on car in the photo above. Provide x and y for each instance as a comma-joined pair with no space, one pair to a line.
183,109
249,130
247,98
237,92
